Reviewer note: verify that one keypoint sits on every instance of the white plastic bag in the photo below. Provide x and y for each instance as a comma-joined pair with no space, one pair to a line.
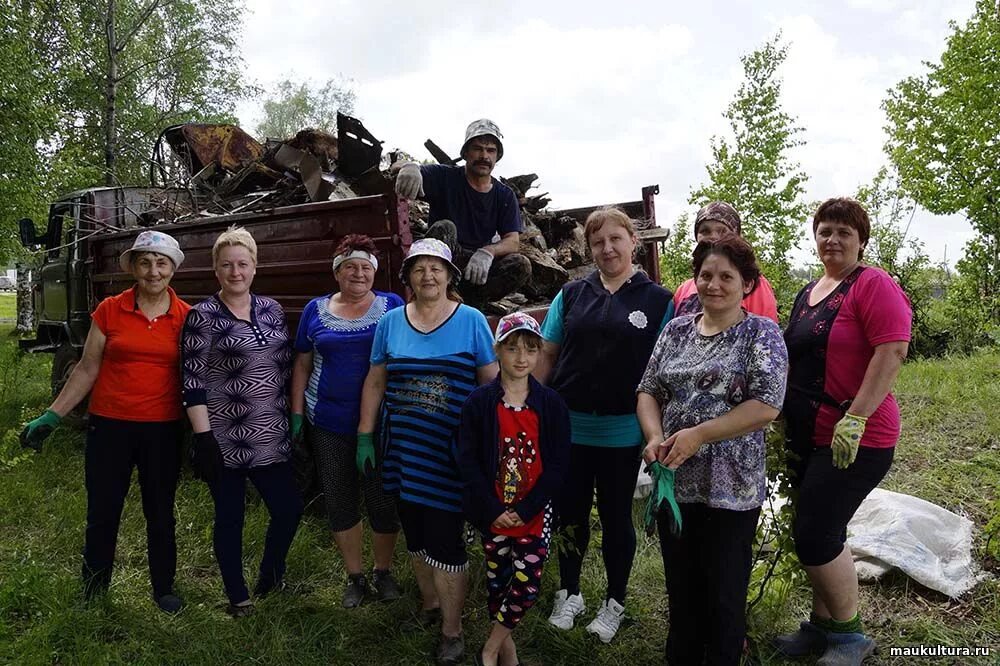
929,544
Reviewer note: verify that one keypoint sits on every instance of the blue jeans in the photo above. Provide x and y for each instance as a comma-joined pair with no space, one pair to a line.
276,486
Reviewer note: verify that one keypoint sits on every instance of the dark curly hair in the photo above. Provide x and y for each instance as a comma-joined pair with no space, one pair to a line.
352,242
737,251
846,211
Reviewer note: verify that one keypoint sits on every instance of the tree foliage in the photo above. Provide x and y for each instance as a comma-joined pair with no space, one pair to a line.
944,140
27,118
892,248
753,170
675,260
86,86
294,106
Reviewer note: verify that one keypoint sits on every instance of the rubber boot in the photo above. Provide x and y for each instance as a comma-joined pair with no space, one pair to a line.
809,639
846,649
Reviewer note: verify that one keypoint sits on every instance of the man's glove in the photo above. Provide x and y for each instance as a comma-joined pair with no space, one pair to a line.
846,439
365,456
295,427
479,266
206,457
409,182
37,430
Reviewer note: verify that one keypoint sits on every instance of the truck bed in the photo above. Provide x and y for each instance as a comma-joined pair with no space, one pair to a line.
295,245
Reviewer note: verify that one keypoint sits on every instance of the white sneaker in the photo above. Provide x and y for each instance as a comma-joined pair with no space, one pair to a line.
609,618
565,608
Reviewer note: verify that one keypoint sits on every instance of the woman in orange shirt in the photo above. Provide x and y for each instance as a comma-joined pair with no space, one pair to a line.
131,368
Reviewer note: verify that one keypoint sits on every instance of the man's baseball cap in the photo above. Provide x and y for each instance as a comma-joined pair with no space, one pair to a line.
484,127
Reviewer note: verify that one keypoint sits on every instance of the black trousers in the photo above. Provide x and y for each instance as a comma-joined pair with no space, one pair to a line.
707,570
276,485
113,448
612,471
828,499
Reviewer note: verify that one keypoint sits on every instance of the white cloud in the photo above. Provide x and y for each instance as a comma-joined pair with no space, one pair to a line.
602,99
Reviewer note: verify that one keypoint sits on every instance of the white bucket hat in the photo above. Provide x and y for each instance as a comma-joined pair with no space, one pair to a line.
153,241
428,247
484,127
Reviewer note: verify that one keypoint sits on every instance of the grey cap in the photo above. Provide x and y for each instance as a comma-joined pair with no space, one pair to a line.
484,127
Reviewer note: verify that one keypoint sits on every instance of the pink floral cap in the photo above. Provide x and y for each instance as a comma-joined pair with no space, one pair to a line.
516,321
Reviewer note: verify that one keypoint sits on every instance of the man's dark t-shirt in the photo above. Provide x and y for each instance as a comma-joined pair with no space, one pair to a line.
477,215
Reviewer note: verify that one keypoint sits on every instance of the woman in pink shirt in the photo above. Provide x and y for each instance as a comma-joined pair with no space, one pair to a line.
847,338
713,221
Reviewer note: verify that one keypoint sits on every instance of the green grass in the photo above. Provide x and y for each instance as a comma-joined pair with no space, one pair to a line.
8,306
949,454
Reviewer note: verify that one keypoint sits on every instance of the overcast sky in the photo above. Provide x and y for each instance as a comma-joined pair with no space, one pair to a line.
601,98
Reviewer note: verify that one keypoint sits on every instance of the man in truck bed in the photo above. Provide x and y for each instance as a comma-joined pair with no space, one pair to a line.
469,210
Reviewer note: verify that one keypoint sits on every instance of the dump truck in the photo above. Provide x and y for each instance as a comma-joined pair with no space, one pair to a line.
87,230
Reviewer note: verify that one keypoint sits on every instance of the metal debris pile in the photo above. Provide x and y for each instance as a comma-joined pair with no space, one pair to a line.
220,169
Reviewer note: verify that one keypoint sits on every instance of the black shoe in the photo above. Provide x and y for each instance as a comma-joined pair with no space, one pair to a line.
422,620
354,593
386,587
94,591
238,611
451,650
95,583
265,587
428,617
169,603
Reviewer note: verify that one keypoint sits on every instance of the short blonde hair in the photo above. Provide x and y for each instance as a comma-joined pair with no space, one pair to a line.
234,235
597,219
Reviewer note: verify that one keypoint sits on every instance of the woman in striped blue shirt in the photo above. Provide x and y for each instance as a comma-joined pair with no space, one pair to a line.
426,359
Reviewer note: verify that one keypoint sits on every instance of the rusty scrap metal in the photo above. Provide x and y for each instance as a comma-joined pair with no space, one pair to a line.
205,143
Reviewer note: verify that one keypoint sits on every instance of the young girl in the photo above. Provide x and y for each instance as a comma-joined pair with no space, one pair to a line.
513,453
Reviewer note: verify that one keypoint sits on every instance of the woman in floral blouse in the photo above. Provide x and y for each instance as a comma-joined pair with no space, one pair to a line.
236,364
714,380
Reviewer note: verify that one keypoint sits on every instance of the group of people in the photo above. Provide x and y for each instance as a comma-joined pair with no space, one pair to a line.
434,421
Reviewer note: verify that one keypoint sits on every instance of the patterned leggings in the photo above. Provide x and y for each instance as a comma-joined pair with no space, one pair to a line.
513,575
343,486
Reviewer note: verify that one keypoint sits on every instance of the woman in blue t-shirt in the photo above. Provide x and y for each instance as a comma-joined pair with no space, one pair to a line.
427,358
333,343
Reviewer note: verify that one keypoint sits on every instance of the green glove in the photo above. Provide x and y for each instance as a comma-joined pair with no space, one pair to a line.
365,457
846,439
661,498
295,425
36,431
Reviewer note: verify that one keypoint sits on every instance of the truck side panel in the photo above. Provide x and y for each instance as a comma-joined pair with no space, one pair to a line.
295,246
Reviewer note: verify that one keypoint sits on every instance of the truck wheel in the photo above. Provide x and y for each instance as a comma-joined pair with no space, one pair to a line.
66,358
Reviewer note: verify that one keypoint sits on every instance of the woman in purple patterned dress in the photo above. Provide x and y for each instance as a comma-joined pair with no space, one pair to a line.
714,380
236,360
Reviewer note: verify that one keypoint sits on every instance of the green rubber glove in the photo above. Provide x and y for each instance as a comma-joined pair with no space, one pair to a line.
37,430
295,422
365,457
661,498
846,439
